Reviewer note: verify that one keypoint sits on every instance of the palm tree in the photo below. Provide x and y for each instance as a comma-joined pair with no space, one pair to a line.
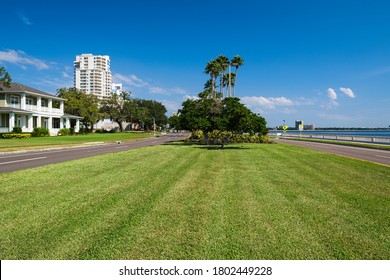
213,70
226,80
223,63
237,61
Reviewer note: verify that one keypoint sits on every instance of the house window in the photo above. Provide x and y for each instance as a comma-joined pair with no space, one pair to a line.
14,100
35,121
43,103
29,101
56,122
4,120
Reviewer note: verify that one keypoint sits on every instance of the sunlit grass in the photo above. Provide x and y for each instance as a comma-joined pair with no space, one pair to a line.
7,145
247,201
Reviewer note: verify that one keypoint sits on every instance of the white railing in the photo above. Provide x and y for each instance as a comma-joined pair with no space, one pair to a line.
16,106
31,108
365,139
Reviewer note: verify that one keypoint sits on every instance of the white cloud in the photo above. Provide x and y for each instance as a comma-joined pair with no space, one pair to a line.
332,94
179,90
66,75
21,59
348,92
192,97
24,19
133,81
157,90
266,102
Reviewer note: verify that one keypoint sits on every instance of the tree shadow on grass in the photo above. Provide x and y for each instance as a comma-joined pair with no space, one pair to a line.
204,146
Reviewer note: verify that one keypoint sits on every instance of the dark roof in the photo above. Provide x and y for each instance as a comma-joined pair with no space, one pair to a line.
17,87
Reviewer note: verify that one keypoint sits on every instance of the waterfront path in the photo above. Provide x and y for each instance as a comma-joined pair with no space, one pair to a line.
22,160
373,155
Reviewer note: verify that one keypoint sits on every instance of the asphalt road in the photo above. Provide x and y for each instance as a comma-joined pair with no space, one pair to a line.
22,160
373,155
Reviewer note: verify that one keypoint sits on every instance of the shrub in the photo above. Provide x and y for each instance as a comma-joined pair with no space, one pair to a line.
99,130
71,131
82,130
40,132
17,129
16,135
64,132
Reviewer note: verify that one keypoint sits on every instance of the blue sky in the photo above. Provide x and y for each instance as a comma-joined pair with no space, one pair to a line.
324,62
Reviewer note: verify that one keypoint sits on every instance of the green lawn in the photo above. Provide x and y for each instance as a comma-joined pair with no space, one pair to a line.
7,145
247,201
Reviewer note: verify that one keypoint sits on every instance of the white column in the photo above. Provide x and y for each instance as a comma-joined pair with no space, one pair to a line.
62,106
61,123
50,105
50,123
30,122
23,101
39,121
11,121
67,123
39,99
77,129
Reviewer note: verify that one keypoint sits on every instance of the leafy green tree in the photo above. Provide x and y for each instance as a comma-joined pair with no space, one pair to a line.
174,122
118,107
227,115
80,104
5,78
155,113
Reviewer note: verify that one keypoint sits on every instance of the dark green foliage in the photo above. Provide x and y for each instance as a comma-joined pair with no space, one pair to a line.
40,132
83,130
228,117
17,129
122,108
5,78
174,122
81,104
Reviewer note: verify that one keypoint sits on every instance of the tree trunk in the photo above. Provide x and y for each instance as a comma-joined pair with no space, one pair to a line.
205,136
224,142
119,122
235,80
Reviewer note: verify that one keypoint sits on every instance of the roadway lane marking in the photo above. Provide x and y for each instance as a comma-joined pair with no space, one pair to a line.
22,160
382,156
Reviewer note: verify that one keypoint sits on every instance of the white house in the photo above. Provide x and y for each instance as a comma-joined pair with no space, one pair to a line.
26,107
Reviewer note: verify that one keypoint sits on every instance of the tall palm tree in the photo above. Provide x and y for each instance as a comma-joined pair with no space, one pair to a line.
213,70
237,61
223,63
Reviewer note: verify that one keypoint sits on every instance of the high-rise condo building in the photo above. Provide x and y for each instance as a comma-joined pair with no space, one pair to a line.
92,74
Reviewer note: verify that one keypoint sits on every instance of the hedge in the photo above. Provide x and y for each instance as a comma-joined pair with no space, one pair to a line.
16,135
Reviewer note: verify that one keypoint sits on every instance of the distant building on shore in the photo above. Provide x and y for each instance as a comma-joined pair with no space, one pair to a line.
309,127
298,123
92,75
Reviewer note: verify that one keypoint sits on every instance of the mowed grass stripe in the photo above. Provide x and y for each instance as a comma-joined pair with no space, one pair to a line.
189,202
